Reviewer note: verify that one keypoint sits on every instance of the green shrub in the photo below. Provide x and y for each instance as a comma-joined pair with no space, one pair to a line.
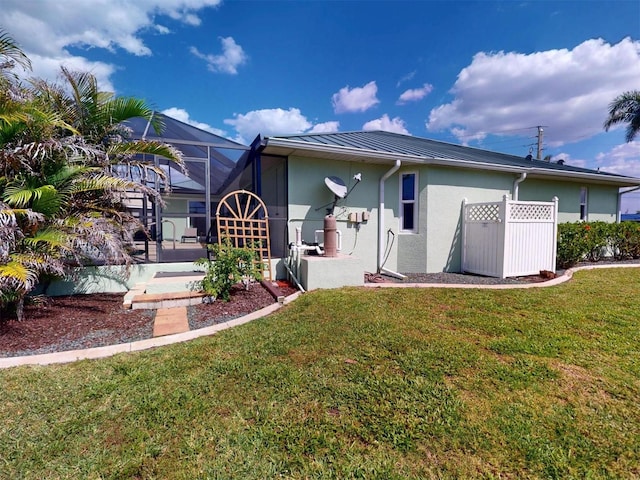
591,241
231,265
626,243
573,243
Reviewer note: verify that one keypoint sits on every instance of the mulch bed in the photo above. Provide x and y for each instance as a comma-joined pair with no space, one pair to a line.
56,324
242,302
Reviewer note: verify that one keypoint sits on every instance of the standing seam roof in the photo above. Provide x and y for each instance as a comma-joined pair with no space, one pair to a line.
394,143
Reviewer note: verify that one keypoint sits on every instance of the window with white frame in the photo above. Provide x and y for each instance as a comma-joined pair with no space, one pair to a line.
409,202
584,198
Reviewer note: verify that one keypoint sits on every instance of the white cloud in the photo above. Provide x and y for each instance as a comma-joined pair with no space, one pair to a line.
465,138
622,159
49,68
182,115
415,94
46,29
274,121
231,58
568,91
396,125
406,78
326,127
358,99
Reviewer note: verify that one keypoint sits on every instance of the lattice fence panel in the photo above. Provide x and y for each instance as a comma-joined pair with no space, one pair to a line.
242,218
529,211
483,212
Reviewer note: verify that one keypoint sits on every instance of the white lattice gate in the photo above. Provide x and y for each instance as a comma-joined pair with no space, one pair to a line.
509,238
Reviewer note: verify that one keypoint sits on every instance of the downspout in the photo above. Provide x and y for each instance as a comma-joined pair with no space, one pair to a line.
619,217
516,185
381,269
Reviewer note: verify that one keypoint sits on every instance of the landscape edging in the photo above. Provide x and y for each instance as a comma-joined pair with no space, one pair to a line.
110,350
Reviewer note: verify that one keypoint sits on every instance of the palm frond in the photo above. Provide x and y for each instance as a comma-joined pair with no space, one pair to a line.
11,51
43,199
148,147
17,276
625,108
119,109
51,239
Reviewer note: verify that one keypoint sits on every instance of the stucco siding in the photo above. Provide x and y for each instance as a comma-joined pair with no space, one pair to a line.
602,200
602,203
412,247
447,187
436,245
174,206
307,197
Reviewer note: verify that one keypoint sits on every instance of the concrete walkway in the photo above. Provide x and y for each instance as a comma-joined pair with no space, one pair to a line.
170,320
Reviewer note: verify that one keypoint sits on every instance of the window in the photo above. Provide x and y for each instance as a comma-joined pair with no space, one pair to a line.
584,195
408,202
197,207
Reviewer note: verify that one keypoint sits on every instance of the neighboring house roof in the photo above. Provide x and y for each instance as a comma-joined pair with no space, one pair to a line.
630,217
196,145
385,147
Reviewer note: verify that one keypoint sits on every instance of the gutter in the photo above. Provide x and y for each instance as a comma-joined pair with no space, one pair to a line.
381,268
373,156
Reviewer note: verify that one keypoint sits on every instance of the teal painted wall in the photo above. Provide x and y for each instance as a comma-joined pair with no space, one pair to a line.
447,187
602,200
436,246
307,193
175,206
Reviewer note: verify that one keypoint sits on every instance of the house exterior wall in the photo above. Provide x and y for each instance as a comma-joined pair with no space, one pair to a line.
436,245
602,200
307,192
175,206
446,189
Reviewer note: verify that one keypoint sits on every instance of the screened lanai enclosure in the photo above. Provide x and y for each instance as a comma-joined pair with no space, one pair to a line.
180,229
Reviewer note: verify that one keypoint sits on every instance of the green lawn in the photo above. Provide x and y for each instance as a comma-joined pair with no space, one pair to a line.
355,383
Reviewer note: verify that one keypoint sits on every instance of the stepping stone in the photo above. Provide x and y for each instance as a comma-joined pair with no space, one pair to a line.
170,320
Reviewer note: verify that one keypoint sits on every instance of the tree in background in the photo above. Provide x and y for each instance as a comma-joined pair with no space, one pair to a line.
625,108
62,203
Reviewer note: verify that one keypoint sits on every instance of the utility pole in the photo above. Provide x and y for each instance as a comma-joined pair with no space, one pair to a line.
540,135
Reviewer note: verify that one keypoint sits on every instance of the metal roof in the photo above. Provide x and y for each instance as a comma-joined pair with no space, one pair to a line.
382,147
197,147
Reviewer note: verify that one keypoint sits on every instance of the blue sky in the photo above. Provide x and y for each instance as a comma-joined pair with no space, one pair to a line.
481,73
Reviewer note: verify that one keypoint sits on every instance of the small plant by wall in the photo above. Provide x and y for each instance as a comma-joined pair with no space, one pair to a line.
230,265
594,241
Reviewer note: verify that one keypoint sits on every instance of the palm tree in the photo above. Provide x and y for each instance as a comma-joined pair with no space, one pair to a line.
625,108
61,202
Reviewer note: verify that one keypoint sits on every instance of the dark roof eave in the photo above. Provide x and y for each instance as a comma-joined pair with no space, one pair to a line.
288,147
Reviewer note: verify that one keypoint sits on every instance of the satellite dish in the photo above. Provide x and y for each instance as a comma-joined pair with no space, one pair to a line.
337,186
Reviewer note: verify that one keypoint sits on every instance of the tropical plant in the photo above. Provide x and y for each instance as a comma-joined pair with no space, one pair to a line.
625,108
63,201
11,54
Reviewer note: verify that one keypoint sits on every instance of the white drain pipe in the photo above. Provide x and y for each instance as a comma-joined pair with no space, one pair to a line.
381,269
516,185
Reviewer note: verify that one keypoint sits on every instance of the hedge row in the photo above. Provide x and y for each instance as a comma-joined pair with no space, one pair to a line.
591,241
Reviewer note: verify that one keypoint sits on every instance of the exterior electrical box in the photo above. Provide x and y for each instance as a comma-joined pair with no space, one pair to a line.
358,217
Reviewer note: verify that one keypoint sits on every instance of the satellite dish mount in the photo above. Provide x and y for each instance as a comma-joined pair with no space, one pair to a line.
339,189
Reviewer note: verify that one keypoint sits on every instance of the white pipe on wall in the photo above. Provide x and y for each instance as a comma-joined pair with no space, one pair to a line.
390,172
516,185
